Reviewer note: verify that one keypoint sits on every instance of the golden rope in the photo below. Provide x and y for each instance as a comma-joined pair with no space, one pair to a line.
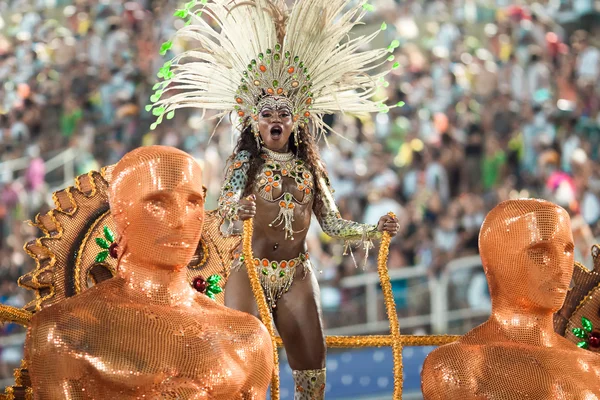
16,315
383,341
390,307
9,393
263,308
394,340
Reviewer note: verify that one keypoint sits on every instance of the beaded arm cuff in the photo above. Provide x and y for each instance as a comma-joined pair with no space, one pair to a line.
233,188
353,233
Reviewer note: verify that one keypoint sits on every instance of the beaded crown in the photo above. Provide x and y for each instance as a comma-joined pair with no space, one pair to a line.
249,50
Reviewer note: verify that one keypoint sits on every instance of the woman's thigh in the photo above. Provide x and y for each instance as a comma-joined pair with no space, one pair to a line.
299,322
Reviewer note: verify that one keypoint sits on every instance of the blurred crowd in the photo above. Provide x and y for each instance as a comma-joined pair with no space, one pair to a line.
499,102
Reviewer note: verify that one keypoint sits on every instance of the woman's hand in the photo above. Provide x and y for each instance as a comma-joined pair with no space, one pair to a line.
388,224
247,208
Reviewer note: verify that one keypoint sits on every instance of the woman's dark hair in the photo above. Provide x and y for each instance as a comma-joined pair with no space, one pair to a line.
307,151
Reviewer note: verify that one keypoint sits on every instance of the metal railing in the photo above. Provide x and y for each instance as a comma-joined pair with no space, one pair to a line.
65,159
440,315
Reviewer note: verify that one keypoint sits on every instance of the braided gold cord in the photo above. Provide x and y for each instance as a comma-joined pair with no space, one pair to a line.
383,341
263,309
390,307
9,393
16,315
394,340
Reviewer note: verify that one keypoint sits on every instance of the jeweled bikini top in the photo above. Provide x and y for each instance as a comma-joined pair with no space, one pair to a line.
271,186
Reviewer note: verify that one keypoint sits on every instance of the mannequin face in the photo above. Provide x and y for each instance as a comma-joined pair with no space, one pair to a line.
532,263
160,209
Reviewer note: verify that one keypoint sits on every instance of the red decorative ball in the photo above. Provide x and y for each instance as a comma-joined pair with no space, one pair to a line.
200,284
112,250
594,339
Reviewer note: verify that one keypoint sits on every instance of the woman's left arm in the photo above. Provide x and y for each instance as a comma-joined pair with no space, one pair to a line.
335,226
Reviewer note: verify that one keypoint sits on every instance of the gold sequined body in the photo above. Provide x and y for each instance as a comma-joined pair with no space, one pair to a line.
526,248
113,342
147,333
470,370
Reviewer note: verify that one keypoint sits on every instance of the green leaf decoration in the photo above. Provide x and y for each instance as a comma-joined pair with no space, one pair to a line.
153,126
166,46
383,108
108,234
180,13
587,324
391,57
203,1
187,23
211,295
395,43
383,26
214,279
156,86
400,104
580,333
102,256
190,4
158,111
368,7
396,65
582,345
171,114
149,107
214,289
102,243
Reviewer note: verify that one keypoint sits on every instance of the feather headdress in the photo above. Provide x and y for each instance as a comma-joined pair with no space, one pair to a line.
250,50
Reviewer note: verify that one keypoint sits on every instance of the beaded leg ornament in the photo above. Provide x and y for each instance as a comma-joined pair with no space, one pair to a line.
310,384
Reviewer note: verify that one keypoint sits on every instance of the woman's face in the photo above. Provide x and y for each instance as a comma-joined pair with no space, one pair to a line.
275,125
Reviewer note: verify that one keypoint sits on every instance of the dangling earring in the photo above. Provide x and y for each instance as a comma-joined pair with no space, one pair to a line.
296,142
257,137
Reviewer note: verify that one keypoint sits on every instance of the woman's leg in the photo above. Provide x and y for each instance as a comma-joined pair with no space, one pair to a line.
238,292
298,320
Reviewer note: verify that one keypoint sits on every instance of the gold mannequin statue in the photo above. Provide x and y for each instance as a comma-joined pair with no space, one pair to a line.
526,247
146,333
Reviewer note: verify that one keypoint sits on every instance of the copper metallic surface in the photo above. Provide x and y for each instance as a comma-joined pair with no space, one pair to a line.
65,253
526,247
146,333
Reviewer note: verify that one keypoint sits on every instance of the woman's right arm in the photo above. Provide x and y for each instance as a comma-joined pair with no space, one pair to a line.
233,187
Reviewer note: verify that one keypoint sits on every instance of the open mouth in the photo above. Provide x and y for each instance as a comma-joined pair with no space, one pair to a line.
276,132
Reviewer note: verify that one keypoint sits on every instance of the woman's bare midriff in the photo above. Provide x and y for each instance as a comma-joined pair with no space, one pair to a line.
270,241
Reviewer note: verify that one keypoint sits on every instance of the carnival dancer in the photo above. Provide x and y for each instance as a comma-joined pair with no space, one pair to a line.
280,72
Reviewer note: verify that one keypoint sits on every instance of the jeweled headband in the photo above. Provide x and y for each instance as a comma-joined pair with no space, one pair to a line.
275,103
